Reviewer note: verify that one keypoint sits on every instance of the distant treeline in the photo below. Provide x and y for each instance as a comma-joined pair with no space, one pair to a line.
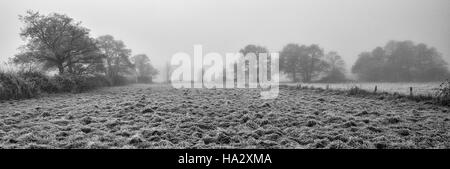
401,61
398,61
306,63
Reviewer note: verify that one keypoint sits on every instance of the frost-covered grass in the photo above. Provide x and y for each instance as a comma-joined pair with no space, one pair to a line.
423,89
156,116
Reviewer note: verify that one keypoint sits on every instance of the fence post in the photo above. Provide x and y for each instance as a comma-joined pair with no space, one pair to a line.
375,90
410,91
299,86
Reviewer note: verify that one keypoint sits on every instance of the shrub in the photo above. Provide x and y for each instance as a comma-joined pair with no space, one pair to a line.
145,79
121,80
12,86
443,93
27,84
355,90
89,82
79,83
64,83
39,80
335,76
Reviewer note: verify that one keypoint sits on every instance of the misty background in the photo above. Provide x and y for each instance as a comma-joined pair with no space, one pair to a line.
161,28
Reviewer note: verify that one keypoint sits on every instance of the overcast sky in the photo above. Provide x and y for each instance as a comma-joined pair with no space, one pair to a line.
161,28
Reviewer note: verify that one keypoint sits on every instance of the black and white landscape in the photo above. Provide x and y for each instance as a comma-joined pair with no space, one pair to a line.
154,116
99,74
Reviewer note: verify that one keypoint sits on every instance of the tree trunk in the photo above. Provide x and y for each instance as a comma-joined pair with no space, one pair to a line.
294,77
70,70
311,70
61,69
257,70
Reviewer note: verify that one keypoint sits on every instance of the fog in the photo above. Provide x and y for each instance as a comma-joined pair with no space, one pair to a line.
161,28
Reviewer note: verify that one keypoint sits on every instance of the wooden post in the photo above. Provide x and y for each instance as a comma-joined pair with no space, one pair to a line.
410,91
136,76
375,90
328,86
168,73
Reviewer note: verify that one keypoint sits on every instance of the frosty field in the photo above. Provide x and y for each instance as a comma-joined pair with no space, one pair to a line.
424,89
157,116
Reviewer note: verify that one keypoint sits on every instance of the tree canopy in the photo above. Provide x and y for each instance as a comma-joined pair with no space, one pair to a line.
117,62
335,71
57,41
144,69
302,62
257,50
401,61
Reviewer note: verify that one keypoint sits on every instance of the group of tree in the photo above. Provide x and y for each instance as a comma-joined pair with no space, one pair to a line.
398,61
58,42
255,49
402,61
145,71
310,63
305,63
